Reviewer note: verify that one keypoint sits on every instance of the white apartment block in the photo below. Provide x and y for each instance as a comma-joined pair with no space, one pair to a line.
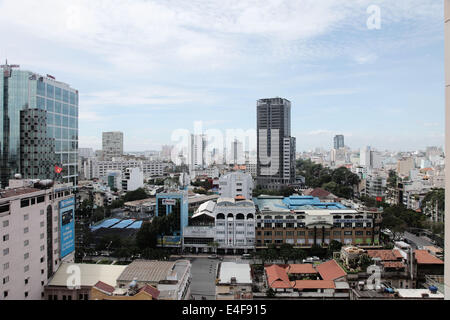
149,168
236,184
132,179
235,224
31,249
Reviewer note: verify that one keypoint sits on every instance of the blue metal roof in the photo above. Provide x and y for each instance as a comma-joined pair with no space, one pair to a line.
295,202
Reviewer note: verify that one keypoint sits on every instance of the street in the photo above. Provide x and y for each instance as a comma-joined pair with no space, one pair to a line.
203,273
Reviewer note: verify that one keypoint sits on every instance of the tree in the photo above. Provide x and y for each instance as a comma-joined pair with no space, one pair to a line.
334,246
364,262
286,252
270,293
318,251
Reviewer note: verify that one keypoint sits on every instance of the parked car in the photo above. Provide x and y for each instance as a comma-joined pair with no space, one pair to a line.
213,256
246,256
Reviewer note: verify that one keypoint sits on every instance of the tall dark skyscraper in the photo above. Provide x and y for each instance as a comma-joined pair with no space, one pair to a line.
339,141
38,126
276,147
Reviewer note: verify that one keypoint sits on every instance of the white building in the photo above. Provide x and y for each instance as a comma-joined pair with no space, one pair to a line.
149,168
236,184
36,235
235,224
197,151
364,157
132,179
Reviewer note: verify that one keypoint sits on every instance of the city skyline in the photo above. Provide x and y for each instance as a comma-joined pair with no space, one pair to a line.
380,87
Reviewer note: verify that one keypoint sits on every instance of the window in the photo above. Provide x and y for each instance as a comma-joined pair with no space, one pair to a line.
24,203
26,256
5,251
42,236
6,237
25,230
6,266
26,243
26,281
5,223
348,233
42,224
6,279
42,212
5,294
26,217
42,248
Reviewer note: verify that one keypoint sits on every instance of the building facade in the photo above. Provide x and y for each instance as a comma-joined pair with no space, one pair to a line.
36,235
304,221
22,93
99,169
276,147
132,179
112,145
236,184
339,141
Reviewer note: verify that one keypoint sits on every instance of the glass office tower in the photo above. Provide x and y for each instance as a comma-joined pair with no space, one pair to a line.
23,149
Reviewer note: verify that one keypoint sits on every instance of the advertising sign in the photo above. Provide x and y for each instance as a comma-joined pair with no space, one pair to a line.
67,226
169,202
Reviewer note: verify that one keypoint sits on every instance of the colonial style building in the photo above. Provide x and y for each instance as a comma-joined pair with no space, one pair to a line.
304,221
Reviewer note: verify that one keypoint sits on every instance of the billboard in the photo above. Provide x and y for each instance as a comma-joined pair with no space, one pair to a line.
169,241
67,226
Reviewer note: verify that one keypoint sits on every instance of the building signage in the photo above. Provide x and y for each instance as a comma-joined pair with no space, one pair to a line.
353,220
67,226
309,220
169,202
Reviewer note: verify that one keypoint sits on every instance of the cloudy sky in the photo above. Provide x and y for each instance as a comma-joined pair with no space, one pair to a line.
149,67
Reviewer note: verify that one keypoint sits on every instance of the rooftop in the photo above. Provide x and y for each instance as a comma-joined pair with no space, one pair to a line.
146,271
423,257
7,193
330,270
305,268
240,271
90,274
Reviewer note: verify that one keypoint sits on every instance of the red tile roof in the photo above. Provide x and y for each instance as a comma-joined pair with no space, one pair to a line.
300,268
397,254
330,270
318,192
104,287
384,255
423,257
277,277
314,284
393,264
151,290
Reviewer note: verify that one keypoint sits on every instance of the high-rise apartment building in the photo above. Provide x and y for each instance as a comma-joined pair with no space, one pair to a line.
339,141
197,151
276,147
237,153
38,126
112,145
37,226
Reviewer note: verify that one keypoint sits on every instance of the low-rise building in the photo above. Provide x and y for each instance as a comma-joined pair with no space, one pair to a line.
304,221
324,281
234,282
171,278
74,281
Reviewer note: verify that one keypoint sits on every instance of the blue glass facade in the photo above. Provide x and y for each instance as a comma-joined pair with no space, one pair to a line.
26,90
